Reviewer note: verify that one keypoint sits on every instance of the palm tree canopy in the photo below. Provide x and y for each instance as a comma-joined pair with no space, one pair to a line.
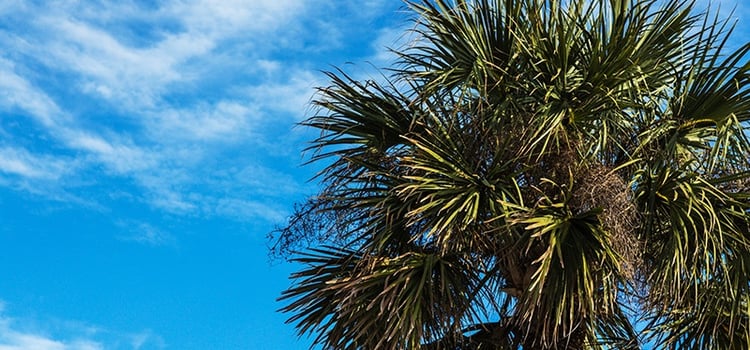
533,174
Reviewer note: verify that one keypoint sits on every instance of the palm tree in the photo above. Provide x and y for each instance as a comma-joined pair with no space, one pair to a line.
533,174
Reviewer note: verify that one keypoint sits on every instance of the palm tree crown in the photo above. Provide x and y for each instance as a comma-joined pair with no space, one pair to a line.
534,174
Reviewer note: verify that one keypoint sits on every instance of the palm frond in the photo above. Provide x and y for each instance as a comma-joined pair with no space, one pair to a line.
534,174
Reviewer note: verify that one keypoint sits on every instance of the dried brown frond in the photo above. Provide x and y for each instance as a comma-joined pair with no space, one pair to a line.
598,187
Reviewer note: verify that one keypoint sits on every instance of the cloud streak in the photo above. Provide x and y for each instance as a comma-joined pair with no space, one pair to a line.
20,162
73,336
19,94
146,234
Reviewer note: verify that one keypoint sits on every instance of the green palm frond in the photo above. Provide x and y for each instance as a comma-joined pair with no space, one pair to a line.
535,174
716,317
356,301
574,280
466,46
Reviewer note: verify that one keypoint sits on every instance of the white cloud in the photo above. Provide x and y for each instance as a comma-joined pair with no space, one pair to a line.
147,234
17,334
14,339
135,76
223,121
172,201
10,5
243,209
290,96
119,156
164,97
221,18
146,337
18,92
132,76
21,162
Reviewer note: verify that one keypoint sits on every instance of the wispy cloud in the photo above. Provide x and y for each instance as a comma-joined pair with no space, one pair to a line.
222,121
243,209
147,134
290,96
146,234
146,338
18,334
185,35
19,94
175,100
20,162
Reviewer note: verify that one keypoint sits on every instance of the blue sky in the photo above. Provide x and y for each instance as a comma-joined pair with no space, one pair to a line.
147,148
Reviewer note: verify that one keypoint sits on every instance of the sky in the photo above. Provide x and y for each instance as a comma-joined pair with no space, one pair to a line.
147,148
